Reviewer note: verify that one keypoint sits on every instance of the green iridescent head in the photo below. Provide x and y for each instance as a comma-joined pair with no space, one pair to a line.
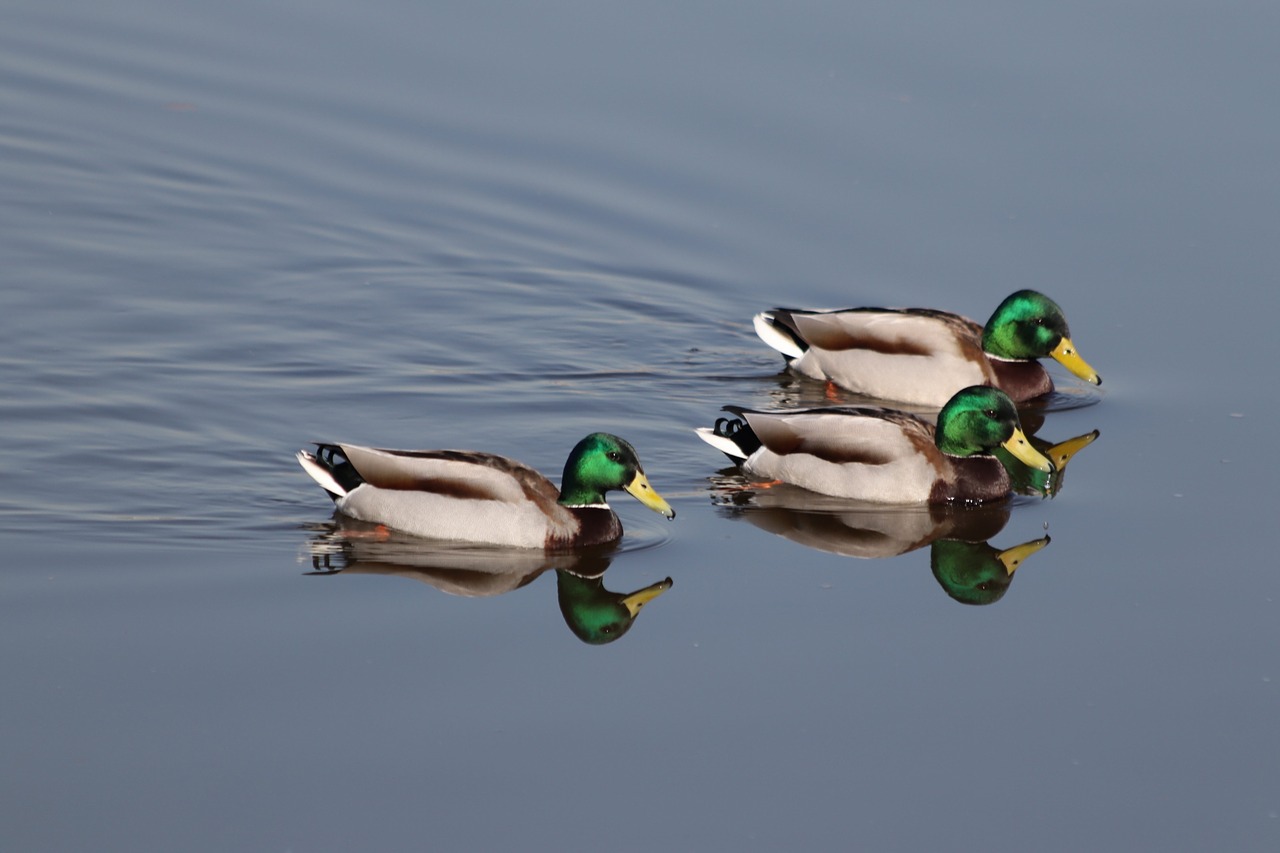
1029,325
602,463
594,614
979,419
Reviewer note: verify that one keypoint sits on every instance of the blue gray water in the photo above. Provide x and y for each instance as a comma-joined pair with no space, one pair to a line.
231,229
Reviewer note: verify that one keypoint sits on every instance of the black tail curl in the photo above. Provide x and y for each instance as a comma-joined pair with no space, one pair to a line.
332,457
739,432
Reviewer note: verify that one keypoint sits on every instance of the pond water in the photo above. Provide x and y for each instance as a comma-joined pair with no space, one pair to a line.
229,230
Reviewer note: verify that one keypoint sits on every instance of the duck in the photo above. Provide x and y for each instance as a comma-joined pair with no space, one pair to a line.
922,356
484,498
883,455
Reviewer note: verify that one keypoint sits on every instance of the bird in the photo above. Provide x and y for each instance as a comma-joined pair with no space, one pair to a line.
883,455
922,356
484,498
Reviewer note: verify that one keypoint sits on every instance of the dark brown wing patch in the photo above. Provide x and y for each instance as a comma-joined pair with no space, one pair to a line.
779,436
834,337
535,487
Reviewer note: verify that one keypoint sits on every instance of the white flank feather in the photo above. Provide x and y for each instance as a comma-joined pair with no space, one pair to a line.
780,341
319,473
719,442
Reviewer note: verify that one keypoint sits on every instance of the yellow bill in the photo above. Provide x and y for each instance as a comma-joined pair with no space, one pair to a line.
640,489
1013,557
1025,453
1066,355
641,597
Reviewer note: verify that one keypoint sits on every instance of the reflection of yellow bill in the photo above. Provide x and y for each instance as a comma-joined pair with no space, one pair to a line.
1066,355
1013,557
641,597
640,489
1025,453
1060,454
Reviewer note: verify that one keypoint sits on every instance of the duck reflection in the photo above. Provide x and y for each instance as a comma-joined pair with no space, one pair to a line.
594,614
975,572
1029,481
789,390
968,569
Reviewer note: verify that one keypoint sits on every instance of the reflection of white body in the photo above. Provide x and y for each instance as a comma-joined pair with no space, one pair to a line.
866,532
455,568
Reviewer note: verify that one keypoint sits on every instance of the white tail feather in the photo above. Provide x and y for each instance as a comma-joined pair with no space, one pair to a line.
319,473
769,333
719,442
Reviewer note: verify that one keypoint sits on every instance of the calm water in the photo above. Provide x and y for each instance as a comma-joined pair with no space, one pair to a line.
230,229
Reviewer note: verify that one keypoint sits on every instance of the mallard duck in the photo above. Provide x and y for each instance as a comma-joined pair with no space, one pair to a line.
468,496
922,356
883,455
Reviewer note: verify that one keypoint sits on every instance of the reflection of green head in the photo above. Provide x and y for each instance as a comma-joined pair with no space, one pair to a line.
594,614
975,572
1026,479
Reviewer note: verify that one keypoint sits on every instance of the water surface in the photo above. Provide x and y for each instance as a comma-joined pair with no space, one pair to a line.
230,231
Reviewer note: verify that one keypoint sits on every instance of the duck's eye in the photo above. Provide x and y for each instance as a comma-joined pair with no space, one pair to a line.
615,456
991,413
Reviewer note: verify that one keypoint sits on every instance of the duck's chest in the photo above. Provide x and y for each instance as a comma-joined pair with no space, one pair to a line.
586,526
971,478
1021,380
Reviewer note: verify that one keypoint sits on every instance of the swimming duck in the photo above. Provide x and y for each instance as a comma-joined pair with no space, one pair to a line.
468,496
922,356
883,455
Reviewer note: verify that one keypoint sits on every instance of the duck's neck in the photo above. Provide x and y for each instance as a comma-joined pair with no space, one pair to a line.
573,493
1021,380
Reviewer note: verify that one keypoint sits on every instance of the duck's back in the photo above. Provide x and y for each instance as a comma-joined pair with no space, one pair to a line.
459,495
913,355
867,454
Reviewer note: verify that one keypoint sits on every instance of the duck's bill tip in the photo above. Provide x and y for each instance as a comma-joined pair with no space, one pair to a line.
640,489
